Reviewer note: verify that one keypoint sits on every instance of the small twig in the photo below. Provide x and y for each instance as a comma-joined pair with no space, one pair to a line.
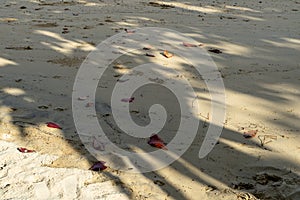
262,141
263,138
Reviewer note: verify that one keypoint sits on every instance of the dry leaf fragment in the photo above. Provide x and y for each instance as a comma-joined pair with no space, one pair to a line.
157,142
167,54
53,125
150,55
131,99
159,182
250,134
109,20
24,150
186,44
20,48
82,98
147,48
98,166
129,31
217,51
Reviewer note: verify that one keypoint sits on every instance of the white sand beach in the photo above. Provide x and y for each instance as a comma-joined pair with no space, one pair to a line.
254,44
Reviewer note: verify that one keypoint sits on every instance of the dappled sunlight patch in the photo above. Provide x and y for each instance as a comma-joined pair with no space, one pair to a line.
13,91
91,4
180,177
284,90
8,19
196,36
62,45
4,62
279,102
291,43
247,17
85,46
240,144
57,11
50,34
203,9
28,99
127,23
5,113
64,48
133,20
242,9
292,40
234,49
58,3
8,131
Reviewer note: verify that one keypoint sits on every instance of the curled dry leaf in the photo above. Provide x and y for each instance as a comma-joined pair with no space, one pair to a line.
65,32
157,142
217,51
82,98
53,125
167,54
150,55
20,48
250,134
186,44
122,80
98,166
131,99
24,150
147,48
129,31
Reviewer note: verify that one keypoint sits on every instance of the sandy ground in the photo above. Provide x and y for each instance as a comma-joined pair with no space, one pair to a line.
43,44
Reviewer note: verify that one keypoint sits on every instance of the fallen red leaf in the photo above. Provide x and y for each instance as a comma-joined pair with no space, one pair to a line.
131,99
250,134
98,166
167,54
24,150
157,142
53,125
186,44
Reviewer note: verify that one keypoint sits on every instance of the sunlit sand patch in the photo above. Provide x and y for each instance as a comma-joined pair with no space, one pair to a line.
242,9
14,91
8,19
4,62
286,43
206,9
62,45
